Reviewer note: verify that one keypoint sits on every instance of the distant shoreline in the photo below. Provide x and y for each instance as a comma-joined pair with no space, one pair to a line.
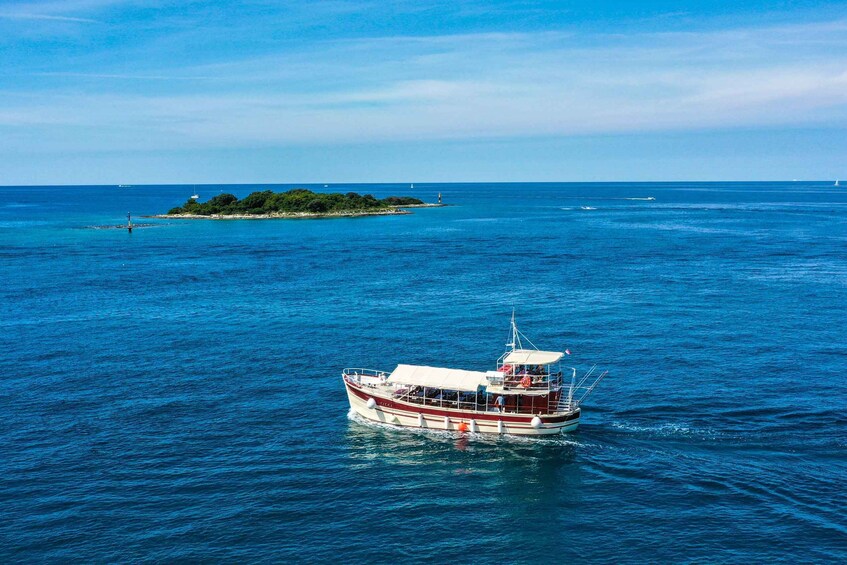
399,211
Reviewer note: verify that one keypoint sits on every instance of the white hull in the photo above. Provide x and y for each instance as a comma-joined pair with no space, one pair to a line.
413,416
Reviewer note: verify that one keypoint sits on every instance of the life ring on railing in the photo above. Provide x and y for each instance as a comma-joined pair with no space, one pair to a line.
526,382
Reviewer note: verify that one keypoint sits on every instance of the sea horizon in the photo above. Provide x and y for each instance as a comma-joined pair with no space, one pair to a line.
405,183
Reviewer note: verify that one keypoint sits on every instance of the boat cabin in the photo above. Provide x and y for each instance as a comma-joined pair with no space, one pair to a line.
525,382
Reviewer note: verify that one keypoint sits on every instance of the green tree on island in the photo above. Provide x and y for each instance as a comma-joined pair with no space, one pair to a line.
294,201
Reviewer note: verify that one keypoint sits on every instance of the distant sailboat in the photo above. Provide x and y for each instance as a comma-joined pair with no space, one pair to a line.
412,185
836,182
195,196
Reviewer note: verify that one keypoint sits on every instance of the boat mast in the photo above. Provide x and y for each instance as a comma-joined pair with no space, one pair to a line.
515,341
514,337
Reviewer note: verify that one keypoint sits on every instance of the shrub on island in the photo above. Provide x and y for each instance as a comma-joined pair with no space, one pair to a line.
294,201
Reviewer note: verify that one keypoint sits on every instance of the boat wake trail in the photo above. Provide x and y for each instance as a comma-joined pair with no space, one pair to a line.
669,430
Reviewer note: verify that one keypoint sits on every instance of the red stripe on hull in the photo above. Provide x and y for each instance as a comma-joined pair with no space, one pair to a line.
494,416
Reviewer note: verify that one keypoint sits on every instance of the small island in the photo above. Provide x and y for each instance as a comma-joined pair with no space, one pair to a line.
297,203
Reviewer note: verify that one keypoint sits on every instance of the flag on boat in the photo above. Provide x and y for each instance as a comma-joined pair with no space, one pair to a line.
568,351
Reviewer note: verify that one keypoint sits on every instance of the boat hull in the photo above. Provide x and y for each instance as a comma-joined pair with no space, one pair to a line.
404,414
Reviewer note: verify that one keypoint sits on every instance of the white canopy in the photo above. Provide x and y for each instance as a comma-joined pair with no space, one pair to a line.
532,357
437,377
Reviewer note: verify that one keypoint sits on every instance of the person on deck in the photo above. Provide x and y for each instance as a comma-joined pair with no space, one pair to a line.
500,403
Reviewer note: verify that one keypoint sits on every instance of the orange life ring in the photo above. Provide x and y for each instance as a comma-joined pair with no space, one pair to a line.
526,382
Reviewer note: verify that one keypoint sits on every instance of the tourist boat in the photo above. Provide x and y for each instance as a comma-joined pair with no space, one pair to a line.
529,393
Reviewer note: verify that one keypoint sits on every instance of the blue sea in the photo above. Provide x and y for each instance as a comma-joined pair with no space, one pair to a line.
174,395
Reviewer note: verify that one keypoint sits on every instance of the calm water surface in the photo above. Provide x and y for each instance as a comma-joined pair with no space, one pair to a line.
174,393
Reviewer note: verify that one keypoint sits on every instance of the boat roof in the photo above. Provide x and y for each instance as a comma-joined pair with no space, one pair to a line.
532,357
437,377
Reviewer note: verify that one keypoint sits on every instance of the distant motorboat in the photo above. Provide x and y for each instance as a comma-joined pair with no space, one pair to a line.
586,208
129,185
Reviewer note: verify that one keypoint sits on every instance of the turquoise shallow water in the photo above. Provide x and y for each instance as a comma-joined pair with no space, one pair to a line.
174,394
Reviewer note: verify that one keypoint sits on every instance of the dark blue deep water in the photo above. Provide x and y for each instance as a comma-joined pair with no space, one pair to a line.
174,394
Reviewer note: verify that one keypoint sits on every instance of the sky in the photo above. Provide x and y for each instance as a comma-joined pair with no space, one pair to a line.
262,91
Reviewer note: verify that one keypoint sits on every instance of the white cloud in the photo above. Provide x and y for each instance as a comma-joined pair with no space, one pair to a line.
120,76
66,11
455,87
46,17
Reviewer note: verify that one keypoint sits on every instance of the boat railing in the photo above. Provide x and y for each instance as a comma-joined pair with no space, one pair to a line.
528,381
363,376
558,399
550,382
581,390
481,403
